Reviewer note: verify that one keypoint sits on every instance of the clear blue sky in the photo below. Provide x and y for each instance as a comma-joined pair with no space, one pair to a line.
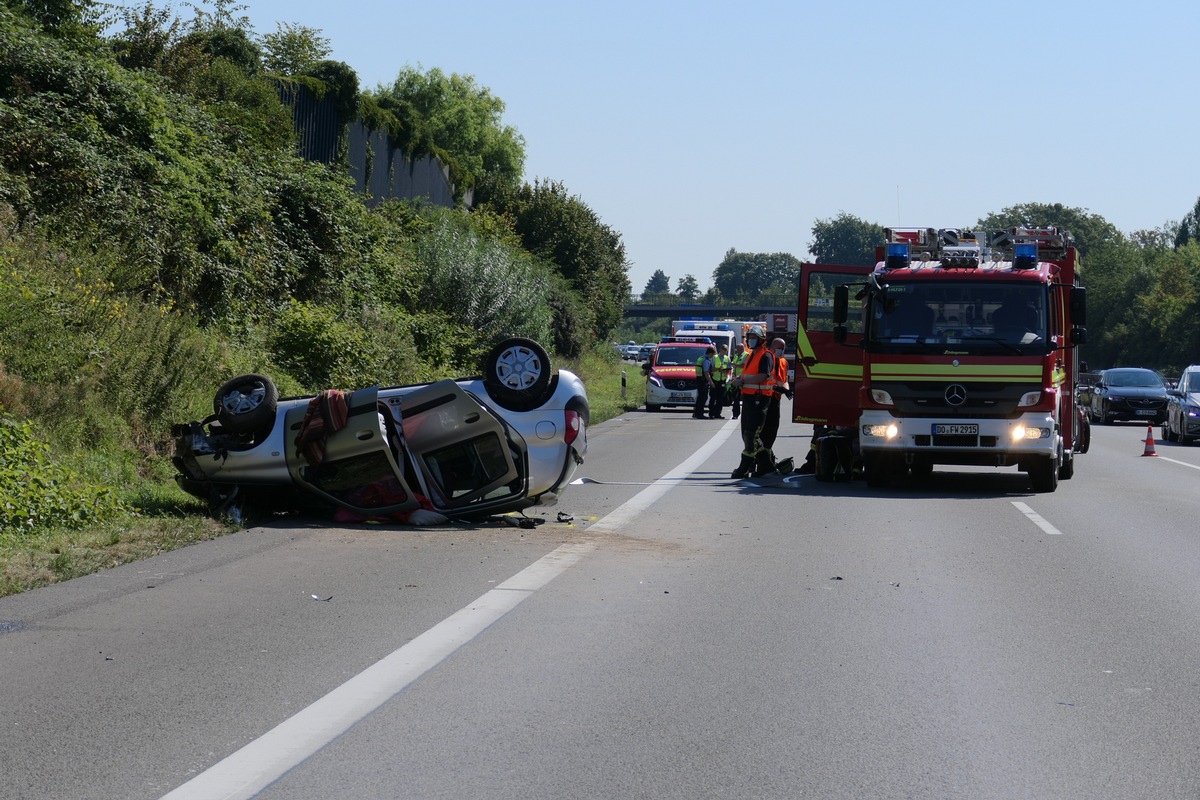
695,127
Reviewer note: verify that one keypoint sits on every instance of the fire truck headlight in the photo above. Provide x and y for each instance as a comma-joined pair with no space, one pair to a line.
890,431
655,380
1029,399
882,397
1021,432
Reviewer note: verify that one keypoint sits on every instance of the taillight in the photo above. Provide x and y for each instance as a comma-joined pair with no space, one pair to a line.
574,426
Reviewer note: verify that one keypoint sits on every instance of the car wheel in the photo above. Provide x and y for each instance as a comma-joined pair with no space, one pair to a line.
516,374
1168,433
246,405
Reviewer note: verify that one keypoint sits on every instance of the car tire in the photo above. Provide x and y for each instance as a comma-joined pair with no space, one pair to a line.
1168,433
245,405
516,374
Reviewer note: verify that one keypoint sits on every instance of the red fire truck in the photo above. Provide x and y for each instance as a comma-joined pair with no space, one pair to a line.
962,350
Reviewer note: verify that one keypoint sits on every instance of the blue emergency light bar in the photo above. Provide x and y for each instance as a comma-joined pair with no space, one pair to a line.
1025,255
897,255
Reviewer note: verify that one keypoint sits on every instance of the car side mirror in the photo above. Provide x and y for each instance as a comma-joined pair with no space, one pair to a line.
646,368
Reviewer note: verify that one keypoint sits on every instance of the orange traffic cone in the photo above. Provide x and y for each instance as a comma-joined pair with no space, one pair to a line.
1149,451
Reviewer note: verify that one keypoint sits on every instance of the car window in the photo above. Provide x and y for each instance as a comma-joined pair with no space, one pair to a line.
668,356
1138,379
466,467
1190,382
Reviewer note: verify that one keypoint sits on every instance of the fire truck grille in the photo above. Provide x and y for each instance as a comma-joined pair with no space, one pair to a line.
954,441
938,399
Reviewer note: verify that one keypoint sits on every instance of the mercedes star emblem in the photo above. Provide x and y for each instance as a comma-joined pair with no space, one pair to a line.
956,394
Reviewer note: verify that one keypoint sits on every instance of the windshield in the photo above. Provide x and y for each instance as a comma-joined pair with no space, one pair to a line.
1135,378
668,356
964,317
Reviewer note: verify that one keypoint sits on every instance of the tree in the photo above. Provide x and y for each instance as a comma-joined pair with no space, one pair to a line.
749,275
845,239
658,283
687,288
563,230
65,19
462,120
1189,227
293,49
225,14
1091,231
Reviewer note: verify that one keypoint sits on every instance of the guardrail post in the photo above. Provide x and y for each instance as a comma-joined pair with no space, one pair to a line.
622,384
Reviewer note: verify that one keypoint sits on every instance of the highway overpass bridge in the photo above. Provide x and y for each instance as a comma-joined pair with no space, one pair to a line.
779,304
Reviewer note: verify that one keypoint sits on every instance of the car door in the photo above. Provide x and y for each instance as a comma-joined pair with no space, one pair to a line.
828,374
361,466
465,455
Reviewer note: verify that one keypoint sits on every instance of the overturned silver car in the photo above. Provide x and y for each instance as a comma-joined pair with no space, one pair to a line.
464,448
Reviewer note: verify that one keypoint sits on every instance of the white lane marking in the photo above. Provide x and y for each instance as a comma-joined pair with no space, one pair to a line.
1037,519
256,766
648,496
1180,463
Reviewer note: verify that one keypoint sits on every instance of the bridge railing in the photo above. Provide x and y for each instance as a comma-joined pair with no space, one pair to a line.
674,300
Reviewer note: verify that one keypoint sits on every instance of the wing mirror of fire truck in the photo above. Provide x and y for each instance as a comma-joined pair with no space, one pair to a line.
841,305
1079,305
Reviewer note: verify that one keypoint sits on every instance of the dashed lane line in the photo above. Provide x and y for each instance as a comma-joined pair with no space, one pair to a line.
1037,519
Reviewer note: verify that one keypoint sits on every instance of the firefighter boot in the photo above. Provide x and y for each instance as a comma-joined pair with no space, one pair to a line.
764,463
743,469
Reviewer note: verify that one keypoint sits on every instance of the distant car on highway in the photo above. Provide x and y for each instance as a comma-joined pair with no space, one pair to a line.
1129,393
1183,408
645,351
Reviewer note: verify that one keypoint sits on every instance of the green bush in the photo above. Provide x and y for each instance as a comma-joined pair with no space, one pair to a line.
37,492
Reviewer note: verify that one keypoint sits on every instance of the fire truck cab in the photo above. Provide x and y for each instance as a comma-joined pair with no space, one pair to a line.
960,349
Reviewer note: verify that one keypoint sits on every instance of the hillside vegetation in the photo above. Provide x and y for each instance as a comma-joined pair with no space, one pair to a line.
158,234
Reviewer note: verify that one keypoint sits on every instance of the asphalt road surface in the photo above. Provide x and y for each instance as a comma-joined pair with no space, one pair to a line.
683,635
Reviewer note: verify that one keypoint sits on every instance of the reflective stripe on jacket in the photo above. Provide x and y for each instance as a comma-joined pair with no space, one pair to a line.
752,368
738,362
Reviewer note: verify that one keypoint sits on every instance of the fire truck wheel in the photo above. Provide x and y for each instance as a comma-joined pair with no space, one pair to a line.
1067,470
1043,474
877,469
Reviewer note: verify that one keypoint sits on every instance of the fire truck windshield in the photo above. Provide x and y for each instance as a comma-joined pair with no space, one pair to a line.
966,317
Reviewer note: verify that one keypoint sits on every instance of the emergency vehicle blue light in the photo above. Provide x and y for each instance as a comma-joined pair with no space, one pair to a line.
1025,255
897,255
